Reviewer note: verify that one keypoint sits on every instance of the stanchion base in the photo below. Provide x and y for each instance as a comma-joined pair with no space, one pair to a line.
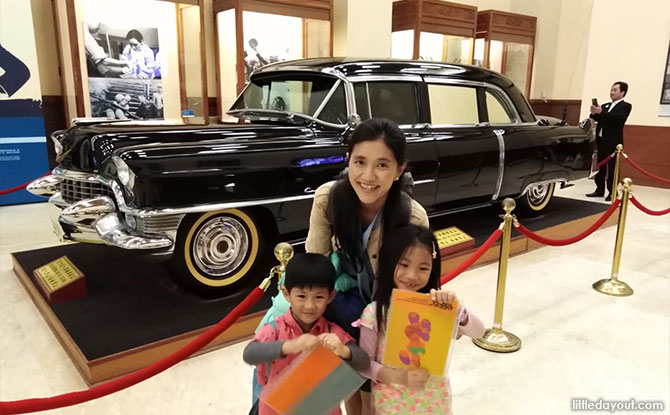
496,340
613,287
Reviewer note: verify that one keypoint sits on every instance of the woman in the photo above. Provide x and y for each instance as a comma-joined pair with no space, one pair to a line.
140,57
351,216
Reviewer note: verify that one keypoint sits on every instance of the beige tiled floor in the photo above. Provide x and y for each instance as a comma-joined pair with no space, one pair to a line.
577,343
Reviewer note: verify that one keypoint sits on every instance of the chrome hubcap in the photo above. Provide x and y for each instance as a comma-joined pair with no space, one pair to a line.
220,246
538,193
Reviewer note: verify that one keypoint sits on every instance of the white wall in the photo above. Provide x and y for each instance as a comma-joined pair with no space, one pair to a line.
362,28
628,42
548,13
571,49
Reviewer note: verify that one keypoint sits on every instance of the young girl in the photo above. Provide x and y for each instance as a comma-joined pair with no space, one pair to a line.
410,260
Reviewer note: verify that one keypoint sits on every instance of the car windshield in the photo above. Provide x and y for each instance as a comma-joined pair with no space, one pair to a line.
285,94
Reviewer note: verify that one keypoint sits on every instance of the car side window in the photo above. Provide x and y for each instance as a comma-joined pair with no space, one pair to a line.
335,110
499,113
362,102
453,104
396,101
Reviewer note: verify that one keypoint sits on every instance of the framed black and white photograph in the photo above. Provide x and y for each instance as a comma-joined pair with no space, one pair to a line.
665,93
121,52
124,99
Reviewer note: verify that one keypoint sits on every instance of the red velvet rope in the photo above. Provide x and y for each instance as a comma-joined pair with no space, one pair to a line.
647,210
68,399
21,187
646,173
561,242
602,163
472,258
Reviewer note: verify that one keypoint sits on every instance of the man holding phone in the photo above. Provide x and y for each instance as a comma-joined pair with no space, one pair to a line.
611,118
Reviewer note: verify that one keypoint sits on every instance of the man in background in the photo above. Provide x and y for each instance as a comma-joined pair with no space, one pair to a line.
611,118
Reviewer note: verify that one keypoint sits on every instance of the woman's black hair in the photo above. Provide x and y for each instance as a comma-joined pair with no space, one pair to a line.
134,33
389,256
344,207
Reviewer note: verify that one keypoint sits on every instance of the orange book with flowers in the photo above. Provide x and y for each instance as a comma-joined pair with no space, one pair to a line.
419,333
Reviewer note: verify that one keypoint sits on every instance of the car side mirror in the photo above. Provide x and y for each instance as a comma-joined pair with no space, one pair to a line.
542,122
352,121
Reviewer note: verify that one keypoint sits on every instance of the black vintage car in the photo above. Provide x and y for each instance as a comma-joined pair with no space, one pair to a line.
211,198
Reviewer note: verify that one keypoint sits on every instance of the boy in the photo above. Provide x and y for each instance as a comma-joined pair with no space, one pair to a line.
309,286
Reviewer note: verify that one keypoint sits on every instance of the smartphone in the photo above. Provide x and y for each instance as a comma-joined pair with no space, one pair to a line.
594,102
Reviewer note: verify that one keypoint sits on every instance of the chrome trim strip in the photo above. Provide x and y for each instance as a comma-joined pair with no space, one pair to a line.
501,162
123,207
424,181
440,80
367,97
456,210
389,78
326,99
211,207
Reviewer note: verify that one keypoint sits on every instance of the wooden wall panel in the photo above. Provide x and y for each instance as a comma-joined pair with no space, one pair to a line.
556,107
649,148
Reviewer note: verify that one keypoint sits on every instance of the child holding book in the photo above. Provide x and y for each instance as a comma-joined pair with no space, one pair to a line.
309,286
409,260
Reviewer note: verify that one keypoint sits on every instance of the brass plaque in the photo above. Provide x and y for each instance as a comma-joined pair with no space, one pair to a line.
451,236
58,273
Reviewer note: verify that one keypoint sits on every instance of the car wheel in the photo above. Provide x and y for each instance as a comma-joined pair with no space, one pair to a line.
215,250
535,199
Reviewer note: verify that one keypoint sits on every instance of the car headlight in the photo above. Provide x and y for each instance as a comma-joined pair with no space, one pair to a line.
125,175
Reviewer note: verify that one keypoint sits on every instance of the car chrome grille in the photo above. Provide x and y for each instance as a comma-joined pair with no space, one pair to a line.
157,224
75,190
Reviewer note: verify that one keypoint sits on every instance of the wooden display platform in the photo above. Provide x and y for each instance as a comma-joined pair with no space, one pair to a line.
135,316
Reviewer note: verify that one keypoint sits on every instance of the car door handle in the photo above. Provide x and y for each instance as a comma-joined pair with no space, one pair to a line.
309,190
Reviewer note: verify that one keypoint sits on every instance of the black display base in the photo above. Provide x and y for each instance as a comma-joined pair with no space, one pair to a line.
134,315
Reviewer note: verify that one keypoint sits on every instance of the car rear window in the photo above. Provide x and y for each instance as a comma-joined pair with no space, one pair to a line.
453,104
499,113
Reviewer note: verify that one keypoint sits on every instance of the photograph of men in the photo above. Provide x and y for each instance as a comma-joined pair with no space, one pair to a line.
611,118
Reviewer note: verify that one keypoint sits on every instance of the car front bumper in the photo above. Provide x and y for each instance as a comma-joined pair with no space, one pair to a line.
97,219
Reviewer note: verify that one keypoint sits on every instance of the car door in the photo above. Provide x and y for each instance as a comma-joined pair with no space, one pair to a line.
397,99
468,150
534,154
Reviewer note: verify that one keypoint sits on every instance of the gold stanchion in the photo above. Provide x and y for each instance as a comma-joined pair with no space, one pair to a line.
495,339
283,253
617,166
613,286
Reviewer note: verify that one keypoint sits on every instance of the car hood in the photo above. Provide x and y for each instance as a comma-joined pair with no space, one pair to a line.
88,148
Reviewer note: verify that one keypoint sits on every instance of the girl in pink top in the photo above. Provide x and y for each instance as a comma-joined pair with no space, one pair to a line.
410,260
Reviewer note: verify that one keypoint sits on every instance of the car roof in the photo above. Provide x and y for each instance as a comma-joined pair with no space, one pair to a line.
351,67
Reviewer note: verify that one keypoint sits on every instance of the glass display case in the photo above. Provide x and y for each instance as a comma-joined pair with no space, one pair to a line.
252,34
133,59
505,43
433,30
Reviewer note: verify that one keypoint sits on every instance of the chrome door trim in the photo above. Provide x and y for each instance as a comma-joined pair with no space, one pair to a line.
501,162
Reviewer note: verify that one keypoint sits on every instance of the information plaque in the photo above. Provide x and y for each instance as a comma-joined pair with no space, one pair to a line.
452,240
60,281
